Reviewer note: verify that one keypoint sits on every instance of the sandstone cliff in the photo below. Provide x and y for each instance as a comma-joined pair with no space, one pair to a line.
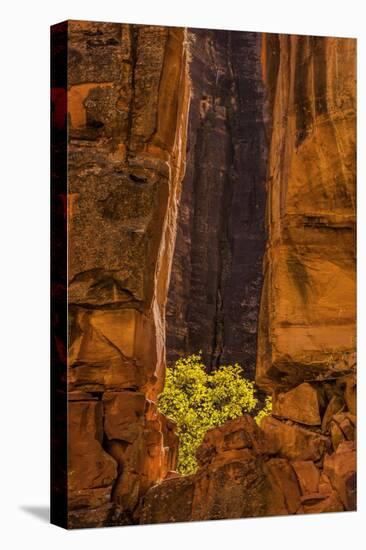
128,125
307,321
303,457
128,100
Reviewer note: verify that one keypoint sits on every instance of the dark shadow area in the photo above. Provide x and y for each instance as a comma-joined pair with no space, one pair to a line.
40,512
216,276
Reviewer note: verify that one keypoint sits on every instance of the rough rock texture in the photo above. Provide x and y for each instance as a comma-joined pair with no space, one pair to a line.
216,275
307,318
303,457
300,404
128,100
128,109
230,482
244,470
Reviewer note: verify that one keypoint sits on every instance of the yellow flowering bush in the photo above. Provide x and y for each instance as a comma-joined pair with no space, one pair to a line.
198,401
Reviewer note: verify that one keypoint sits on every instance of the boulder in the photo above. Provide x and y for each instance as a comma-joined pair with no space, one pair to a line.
282,475
231,489
340,467
90,517
342,428
168,501
234,435
292,441
325,486
91,471
126,491
299,404
308,476
335,405
326,503
89,498
348,385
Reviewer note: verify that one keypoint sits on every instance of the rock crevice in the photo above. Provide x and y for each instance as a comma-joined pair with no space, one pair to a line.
216,278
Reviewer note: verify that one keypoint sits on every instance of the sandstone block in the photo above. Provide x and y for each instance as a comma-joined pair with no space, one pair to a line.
299,404
292,441
335,405
169,501
89,498
89,465
90,517
308,476
123,415
231,489
330,503
282,475
126,490
340,467
348,385
241,433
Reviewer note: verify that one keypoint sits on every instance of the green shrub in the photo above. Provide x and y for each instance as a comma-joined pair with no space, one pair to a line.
198,401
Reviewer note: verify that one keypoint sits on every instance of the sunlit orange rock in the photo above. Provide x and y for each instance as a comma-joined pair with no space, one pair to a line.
340,467
307,317
126,160
231,437
299,404
91,471
308,476
293,441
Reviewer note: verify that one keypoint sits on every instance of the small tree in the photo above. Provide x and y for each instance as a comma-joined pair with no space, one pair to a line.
198,401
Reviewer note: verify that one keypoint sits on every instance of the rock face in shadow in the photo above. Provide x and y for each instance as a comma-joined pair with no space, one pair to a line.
128,101
216,277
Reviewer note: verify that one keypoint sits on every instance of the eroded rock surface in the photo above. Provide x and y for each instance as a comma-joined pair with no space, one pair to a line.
307,318
279,468
216,277
128,101
302,459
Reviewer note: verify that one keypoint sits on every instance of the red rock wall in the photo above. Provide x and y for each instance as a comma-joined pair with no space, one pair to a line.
128,99
307,320
302,459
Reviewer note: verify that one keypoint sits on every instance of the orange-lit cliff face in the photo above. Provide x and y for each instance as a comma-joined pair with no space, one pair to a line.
128,100
307,321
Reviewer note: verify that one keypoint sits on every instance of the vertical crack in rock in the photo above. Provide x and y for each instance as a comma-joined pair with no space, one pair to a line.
216,275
